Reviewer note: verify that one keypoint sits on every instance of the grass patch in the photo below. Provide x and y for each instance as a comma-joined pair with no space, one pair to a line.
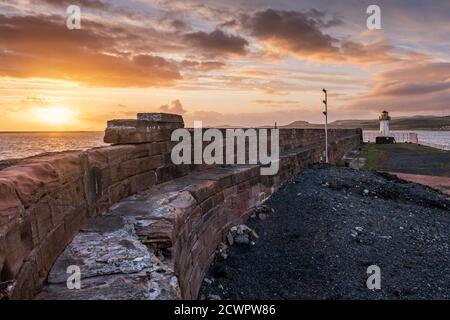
374,154
403,157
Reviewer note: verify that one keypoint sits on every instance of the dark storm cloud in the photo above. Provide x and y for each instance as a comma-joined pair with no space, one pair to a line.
294,30
302,34
217,42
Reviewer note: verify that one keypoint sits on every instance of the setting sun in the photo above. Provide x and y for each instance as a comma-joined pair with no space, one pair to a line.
54,115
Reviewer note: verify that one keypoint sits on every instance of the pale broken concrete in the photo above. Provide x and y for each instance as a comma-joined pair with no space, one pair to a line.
114,254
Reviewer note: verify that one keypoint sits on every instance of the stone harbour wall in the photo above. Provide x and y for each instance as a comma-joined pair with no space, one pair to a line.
156,225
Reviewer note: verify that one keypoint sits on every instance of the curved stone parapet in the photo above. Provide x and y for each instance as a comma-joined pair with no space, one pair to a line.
138,226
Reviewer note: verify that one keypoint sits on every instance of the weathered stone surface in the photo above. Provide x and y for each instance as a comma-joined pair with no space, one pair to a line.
142,124
127,135
112,249
149,127
145,285
44,200
114,265
32,180
161,117
11,207
116,250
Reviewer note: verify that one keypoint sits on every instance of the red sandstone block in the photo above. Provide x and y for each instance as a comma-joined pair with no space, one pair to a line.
184,282
74,220
230,191
2,256
207,205
243,187
66,164
109,176
170,172
18,244
192,221
32,180
142,181
154,148
223,176
203,189
130,135
245,172
119,191
149,163
51,247
28,282
157,235
195,281
127,169
11,209
42,220
119,153
197,249
183,259
166,173
165,146
97,157
185,270
65,198
100,205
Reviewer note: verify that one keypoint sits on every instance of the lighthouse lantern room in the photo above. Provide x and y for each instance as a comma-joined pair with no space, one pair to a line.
384,129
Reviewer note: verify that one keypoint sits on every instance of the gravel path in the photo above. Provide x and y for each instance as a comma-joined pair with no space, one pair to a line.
326,227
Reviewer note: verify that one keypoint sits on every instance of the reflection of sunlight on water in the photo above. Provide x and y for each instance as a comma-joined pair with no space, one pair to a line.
432,137
21,145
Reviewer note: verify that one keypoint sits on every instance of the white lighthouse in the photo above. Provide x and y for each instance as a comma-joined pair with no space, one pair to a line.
384,124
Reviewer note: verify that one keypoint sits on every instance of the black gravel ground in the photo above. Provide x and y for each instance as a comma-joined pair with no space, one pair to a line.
327,226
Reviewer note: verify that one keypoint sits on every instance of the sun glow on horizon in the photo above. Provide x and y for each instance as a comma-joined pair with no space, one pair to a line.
54,115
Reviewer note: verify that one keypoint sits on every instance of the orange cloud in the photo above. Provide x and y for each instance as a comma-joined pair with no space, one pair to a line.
174,107
43,47
409,87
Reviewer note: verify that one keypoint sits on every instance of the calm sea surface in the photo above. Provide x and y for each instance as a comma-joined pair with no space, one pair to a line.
21,145
432,138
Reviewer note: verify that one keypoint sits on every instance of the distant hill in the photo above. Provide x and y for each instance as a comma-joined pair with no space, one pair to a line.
401,123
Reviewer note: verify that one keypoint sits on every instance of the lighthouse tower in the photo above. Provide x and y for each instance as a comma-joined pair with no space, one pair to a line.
384,124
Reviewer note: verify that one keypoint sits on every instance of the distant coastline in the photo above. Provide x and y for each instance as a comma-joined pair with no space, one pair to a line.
426,123
26,132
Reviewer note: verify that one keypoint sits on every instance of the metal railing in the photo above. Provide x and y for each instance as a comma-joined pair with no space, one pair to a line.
400,137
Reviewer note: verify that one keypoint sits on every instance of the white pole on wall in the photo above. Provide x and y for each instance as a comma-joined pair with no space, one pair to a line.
326,124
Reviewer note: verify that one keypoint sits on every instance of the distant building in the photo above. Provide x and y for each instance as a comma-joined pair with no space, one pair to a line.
384,123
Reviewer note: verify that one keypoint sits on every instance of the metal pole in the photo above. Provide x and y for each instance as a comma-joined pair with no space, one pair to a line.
326,124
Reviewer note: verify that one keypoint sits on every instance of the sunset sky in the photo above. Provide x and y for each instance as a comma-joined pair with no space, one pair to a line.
224,62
